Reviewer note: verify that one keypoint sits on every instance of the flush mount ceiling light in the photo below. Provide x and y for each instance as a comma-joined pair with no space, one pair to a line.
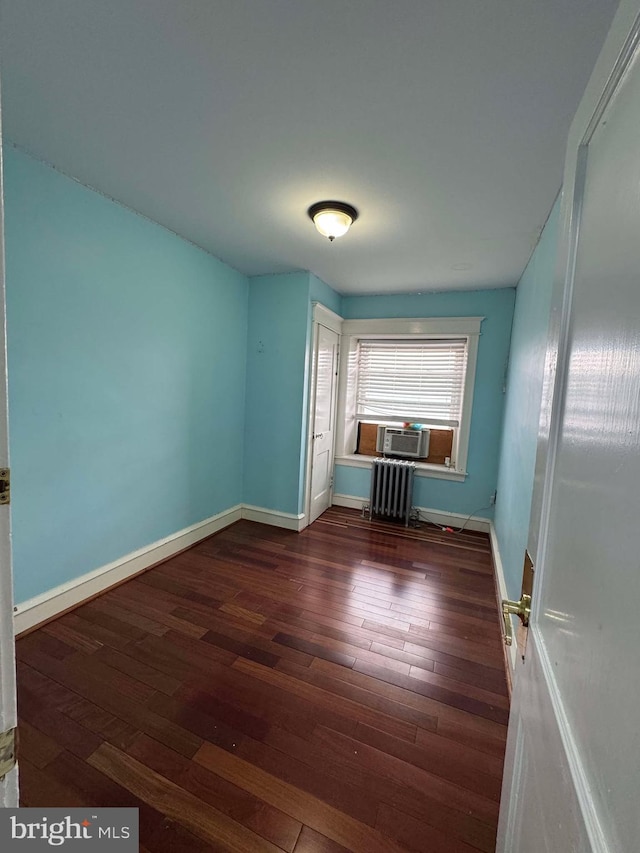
332,218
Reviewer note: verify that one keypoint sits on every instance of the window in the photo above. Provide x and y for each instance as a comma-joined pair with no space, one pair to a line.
417,371
411,380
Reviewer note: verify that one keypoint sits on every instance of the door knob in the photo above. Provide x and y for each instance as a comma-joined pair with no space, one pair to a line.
521,608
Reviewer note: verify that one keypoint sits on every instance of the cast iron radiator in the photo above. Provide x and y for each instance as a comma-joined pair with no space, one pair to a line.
391,489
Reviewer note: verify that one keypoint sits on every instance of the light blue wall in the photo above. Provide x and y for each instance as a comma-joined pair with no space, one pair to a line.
278,360
497,307
321,292
276,390
522,406
127,378
151,386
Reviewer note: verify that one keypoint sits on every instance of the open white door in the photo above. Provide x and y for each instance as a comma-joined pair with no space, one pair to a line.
572,775
8,719
324,385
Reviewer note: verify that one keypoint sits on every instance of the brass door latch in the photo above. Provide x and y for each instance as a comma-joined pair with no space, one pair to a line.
521,608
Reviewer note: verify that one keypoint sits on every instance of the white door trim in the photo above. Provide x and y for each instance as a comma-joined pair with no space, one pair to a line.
8,710
321,316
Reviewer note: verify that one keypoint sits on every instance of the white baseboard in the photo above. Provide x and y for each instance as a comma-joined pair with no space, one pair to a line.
349,501
55,601
441,517
274,517
512,651
455,519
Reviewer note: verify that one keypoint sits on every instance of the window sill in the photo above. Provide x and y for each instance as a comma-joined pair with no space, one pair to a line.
423,469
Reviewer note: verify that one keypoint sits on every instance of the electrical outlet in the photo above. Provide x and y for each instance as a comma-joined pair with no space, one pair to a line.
492,499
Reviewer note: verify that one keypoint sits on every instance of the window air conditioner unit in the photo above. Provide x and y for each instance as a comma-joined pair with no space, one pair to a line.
413,443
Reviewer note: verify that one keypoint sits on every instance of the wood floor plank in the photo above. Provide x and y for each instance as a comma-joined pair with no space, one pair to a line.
178,804
436,650
311,777
324,818
364,698
418,637
445,695
38,789
50,722
36,747
346,707
339,689
93,631
63,632
436,757
311,841
50,644
261,818
246,643
208,720
172,837
491,743
107,726
406,695
241,690
309,627
97,615
385,764
382,788
416,835
317,650
160,681
479,676
109,605
83,682
97,788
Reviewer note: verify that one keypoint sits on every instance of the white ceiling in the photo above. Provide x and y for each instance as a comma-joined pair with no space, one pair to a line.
442,121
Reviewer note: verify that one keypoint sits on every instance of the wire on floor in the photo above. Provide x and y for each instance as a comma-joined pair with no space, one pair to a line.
422,516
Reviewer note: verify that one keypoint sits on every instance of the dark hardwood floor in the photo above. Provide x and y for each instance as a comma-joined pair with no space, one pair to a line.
338,689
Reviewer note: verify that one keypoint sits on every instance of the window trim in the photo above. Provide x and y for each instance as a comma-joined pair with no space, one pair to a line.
425,327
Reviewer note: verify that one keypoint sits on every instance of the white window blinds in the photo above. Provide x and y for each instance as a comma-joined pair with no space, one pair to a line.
411,380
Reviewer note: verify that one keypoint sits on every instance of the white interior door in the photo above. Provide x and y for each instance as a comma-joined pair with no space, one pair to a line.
323,419
572,776
8,719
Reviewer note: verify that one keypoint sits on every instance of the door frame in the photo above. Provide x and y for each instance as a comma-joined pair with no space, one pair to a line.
610,66
8,704
321,316
618,50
